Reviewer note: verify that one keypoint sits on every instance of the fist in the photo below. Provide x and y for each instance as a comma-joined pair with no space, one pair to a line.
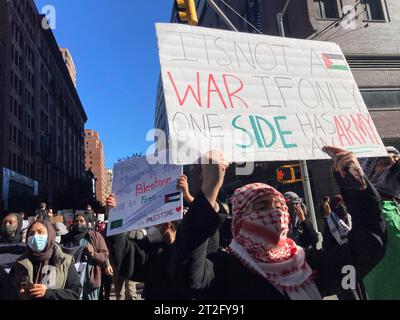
111,201
183,184
214,167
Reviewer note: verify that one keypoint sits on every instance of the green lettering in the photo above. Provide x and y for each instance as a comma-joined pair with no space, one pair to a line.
282,134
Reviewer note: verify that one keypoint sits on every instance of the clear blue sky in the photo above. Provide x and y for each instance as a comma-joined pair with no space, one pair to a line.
113,44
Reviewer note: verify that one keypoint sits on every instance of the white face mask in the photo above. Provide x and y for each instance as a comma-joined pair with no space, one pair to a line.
154,235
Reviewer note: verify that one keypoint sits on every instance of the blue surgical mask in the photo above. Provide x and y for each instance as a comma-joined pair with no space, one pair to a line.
37,243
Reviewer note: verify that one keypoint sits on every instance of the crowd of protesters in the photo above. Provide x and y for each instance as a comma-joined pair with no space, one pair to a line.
260,245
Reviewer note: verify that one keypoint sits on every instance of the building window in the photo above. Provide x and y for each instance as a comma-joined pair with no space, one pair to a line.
374,10
381,99
326,9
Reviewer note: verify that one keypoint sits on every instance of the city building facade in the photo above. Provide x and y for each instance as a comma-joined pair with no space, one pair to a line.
41,116
94,161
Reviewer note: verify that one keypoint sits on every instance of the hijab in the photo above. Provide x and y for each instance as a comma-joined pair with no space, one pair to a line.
75,235
47,253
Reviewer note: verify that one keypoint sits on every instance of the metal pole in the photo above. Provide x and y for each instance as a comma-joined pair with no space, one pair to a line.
303,164
281,26
222,15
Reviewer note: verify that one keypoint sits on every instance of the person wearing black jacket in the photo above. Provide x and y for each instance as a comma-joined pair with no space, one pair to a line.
45,271
42,213
262,262
301,230
147,260
8,291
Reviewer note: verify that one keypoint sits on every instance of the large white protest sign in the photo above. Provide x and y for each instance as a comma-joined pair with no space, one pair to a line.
259,98
146,195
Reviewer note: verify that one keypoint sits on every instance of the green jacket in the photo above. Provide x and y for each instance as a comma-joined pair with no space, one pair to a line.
383,282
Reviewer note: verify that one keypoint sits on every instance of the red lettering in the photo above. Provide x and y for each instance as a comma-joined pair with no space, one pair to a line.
196,96
363,131
348,129
340,131
234,93
211,81
369,120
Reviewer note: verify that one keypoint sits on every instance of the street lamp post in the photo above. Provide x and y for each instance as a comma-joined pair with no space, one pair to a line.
303,164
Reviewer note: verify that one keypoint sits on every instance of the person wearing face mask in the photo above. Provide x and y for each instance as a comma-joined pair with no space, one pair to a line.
301,230
45,271
262,263
145,260
338,224
11,229
383,282
95,256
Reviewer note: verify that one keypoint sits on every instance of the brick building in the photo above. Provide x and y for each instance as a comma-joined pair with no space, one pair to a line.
94,161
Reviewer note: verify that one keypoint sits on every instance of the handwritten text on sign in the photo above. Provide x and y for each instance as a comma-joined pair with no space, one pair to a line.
146,195
259,97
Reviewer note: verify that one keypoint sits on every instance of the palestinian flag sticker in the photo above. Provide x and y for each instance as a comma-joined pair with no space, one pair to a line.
335,61
173,197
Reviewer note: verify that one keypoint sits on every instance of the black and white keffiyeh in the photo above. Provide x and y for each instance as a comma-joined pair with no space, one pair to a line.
340,228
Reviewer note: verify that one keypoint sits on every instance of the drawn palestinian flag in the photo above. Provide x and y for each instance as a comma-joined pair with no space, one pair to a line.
173,197
334,61
117,224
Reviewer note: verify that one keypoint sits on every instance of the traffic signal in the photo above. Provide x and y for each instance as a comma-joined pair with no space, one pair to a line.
187,12
289,174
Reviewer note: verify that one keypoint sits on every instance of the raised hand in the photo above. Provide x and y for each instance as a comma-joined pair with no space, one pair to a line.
299,212
214,167
184,186
111,201
348,167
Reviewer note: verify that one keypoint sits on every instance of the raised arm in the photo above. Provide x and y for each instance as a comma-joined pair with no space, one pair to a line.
367,239
189,265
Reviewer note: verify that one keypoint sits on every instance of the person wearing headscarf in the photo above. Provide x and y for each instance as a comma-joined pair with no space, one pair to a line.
383,282
45,271
11,229
301,230
95,254
262,263
338,224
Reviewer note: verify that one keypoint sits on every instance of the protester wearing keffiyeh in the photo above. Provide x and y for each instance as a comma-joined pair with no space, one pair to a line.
260,242
387,182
